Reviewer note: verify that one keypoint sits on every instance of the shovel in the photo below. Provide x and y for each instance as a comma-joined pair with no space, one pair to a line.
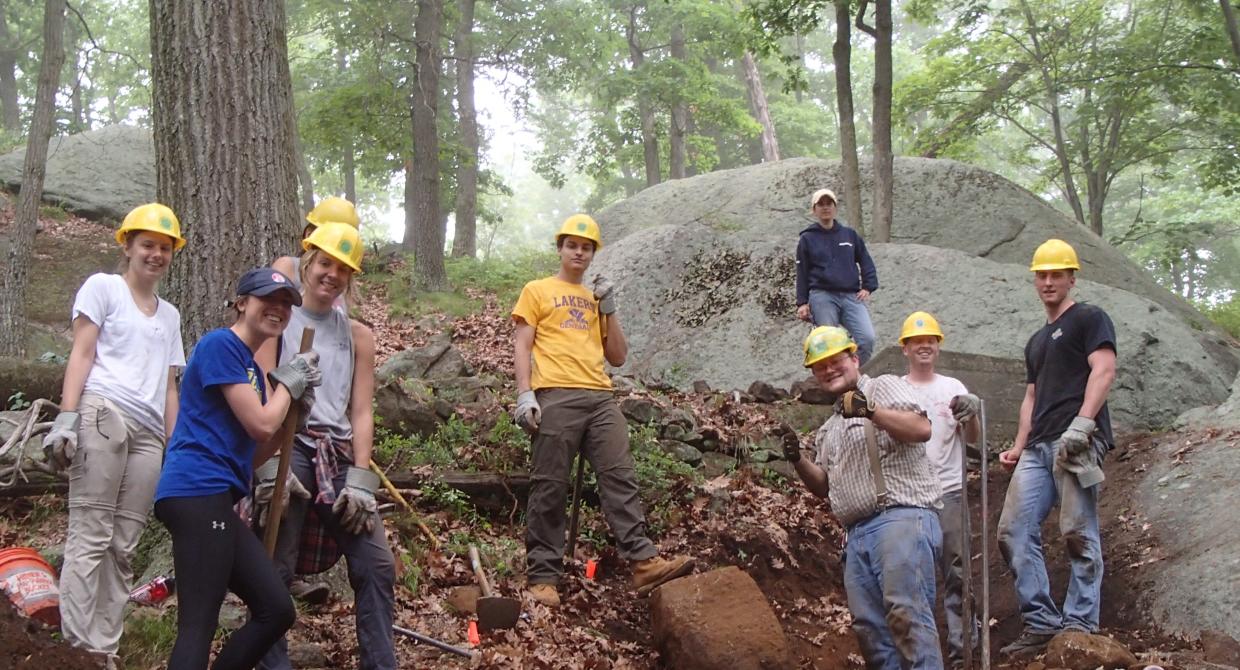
493,611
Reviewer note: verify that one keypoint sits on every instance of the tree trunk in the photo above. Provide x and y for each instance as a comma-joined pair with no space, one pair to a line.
680,113
304,181
465,241
21,243
424,231
841,53
650,141
761,111
1233,33
884,178
223,125
10,113
348,171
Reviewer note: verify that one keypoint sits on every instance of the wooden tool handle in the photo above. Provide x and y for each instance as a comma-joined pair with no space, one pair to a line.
287,433
476,563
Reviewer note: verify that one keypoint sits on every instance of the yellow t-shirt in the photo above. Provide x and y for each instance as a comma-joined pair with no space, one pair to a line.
568,350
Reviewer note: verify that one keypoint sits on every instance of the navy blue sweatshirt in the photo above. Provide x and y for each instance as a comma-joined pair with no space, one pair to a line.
828,260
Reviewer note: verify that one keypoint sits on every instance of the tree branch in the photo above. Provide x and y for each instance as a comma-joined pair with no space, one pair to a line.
861,25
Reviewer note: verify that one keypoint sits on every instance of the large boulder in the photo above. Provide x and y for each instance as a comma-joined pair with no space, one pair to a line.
100,173
706,275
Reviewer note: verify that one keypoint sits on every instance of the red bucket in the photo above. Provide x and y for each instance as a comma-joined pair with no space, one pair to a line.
30,583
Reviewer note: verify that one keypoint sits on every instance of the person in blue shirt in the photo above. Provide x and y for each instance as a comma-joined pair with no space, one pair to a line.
835,275
227,424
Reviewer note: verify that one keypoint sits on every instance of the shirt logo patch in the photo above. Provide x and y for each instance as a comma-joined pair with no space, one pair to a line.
1057,334
253,378
218,525
576,320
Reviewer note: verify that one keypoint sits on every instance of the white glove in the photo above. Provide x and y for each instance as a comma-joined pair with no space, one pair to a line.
300,372
1075,439
266,489
965,406
60,443
355,505
605,293
528,413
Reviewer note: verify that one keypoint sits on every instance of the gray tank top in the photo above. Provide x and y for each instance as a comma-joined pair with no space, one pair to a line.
333,340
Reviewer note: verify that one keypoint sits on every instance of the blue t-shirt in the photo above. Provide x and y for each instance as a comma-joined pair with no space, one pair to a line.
210,452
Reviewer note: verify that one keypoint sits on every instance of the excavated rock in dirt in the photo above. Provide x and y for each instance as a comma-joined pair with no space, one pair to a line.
1081,651
717,620
705,271
409,407
101,173
438,359
1219,647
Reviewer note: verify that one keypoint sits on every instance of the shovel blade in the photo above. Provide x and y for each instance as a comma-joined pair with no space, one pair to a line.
495,612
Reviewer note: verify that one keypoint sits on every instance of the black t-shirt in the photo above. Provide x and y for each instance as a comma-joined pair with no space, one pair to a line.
1057,364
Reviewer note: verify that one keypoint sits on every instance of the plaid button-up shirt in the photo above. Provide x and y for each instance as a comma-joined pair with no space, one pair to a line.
842,453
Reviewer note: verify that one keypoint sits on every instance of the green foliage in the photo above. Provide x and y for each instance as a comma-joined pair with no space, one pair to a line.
666,483
1226,315
503,276
17,401
149,637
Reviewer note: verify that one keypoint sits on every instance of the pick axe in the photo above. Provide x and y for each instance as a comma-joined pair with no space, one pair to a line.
287,433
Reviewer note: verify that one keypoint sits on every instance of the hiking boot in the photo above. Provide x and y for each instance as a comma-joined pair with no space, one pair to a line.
1027,642
654,572
315,593
544,594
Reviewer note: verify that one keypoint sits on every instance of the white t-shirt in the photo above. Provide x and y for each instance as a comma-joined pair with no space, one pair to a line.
945,444
134,351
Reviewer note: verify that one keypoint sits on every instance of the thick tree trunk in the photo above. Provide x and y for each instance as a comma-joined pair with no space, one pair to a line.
680,113
884,178
422,212
10,113
223,119
348,171
1229,23
650,140
465,241
761,111
305,181
841,53
21,242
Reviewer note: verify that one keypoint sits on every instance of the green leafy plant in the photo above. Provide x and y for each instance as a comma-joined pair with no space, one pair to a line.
18,401
665,481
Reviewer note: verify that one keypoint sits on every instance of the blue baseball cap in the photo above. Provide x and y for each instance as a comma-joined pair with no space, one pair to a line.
265,281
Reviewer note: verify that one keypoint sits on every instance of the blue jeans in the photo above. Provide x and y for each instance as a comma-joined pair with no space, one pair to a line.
1031,494
889,578
843,308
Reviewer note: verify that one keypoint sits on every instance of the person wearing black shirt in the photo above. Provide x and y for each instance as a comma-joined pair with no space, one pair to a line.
1063,434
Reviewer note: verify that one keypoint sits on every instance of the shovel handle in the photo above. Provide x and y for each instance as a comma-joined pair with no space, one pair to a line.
442,646
475,562
287,433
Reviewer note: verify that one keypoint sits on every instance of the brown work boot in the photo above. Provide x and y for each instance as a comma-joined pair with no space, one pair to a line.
314,593
654,572
545,594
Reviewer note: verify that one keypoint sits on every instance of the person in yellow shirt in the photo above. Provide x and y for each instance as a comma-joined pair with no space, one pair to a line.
564,333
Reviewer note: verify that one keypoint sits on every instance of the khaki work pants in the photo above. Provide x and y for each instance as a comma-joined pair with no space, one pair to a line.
111,486
589,421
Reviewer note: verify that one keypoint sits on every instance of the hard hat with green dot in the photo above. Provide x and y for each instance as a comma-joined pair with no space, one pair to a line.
581,225
920,323
824,342
334,209
338,240
155,218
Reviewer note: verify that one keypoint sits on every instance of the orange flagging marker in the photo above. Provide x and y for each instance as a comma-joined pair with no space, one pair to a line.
474,638
591,568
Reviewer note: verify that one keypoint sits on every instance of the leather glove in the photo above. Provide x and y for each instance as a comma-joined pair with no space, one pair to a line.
528,413
792,447
355,504
266,489
60,443
1075,439
965,406
854,405
605,293
299,373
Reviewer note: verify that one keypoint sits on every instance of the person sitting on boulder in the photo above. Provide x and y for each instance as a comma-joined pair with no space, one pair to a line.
332,209
951,408
894,538
1062,436
564,400
330,478
227,423
118,405
835,275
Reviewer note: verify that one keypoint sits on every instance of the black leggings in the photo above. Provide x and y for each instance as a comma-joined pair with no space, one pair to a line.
214,552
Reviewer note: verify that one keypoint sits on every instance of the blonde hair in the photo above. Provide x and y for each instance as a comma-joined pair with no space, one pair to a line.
349,294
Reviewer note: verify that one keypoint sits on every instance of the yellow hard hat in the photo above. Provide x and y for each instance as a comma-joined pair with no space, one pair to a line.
920,323
154,217
1054,255
826,341
334,209
338,240
581,225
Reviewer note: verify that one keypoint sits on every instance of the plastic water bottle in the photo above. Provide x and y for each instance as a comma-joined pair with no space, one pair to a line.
155,591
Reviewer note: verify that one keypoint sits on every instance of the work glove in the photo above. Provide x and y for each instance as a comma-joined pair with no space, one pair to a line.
854,405
1075,440
605,293
355,505
792,447
307,404
528,413
965,406
298,374
60,443
266,489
